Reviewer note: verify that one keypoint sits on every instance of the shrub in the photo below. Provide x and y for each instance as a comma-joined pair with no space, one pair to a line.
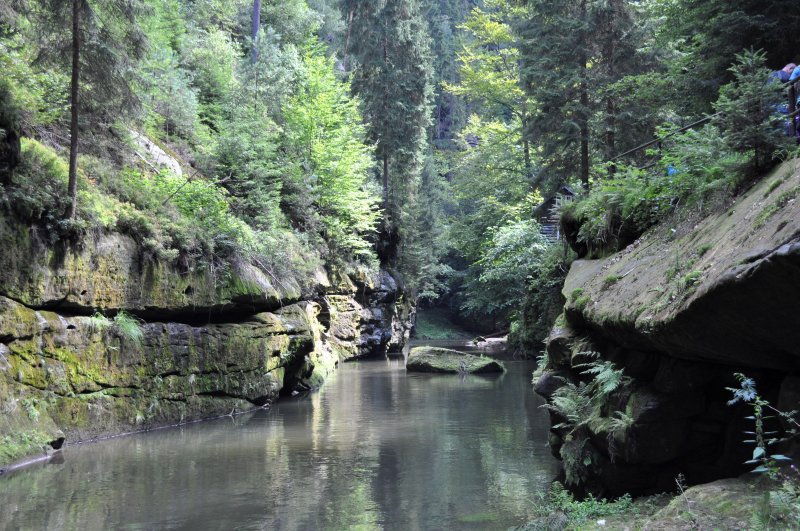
498,281
542,302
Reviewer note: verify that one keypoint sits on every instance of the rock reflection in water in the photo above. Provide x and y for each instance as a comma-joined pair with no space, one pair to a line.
376,448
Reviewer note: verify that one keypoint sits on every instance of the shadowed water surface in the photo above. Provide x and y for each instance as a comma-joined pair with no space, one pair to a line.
376,448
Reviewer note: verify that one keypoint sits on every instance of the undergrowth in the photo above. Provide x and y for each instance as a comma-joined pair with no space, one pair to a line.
697,171
780,504
581,408
558,509
178,219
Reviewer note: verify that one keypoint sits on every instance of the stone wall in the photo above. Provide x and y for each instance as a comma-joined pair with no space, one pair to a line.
680,311
211,344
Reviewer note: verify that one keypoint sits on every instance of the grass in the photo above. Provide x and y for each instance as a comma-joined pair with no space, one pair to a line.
610,280
692,279
782,200
774,185
703,249
581,302
435,324
99,322
129,328
477,518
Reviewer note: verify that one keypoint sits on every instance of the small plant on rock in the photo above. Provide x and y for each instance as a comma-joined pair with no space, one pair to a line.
98,322
129,328
783,503
582,408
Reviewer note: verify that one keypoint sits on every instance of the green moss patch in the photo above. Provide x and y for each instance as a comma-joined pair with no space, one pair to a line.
442,360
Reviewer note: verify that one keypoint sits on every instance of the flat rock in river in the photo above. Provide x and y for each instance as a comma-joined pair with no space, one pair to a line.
443,360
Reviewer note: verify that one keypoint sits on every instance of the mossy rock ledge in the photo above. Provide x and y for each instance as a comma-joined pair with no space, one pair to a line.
680,311
443,360
207,346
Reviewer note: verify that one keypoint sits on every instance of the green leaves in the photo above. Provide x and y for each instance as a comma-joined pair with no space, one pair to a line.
325,131
749,121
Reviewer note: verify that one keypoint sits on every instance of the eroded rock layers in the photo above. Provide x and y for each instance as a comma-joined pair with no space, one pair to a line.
204,342
680,311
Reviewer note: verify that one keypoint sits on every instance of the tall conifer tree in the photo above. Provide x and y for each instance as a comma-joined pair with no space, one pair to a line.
390,47
100,41
573,54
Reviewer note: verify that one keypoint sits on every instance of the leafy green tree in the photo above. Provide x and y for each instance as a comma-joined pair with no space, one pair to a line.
168,95
212,58
490,76
489,183
512,255
104,42
325,135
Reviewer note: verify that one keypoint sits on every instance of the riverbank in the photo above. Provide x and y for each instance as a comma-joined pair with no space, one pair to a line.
97,338
748,502
437,324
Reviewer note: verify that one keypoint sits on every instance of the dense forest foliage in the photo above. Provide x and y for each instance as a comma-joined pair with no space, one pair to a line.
431,136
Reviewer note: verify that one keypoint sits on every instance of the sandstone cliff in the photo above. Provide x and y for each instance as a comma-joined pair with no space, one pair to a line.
215,340
680,311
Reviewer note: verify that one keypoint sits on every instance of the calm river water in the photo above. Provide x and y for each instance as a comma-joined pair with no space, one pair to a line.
376,448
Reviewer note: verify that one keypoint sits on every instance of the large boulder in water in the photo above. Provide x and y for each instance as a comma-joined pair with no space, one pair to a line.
443,360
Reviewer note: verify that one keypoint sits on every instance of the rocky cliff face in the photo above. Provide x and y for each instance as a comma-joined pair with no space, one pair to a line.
680,311
214,340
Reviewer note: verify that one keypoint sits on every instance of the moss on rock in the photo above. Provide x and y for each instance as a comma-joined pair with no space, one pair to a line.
442,360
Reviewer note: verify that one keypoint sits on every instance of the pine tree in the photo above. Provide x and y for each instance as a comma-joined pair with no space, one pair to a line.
449,110
574,54
104,41
707,34
390,46
554,56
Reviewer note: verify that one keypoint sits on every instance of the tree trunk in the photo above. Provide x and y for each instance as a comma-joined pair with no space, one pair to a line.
254,29
526,148
347,39
584,104
385,149
72,187
385,183
584,123
611,125
611,111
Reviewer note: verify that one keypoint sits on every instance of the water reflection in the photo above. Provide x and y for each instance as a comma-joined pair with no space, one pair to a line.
375,449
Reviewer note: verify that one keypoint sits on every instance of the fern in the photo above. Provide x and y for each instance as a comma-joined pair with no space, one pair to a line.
573,403
616,424
581,406
605,377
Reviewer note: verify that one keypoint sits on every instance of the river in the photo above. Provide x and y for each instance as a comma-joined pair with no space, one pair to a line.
376,448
